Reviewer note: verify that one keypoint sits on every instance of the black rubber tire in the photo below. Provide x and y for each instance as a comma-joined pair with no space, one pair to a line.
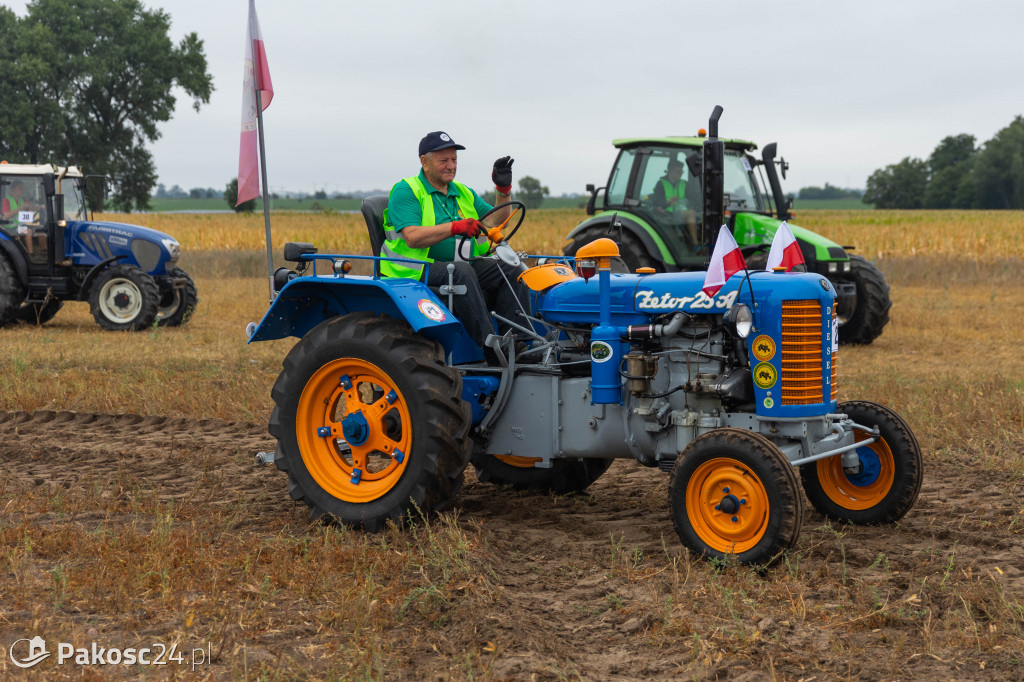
632,254
745,460
439,419
906,470
871,311
564,476
39,313
177,305
12,293
124,298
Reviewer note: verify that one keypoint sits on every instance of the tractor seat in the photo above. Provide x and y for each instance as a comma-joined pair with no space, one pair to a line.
372,209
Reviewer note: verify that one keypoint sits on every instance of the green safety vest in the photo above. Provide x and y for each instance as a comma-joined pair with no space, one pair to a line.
12,206
678,191
395,245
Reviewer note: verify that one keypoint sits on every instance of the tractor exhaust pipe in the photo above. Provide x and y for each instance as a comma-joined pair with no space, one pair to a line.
781,203
713,183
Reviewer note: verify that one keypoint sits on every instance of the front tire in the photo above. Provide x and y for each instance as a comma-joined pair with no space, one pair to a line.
369,421
868,313
177,304
733,493
124,298
890,475
564,476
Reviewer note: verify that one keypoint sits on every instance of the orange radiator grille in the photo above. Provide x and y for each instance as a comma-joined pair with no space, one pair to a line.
801,353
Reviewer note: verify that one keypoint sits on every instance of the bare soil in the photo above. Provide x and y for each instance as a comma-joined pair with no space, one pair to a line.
593,586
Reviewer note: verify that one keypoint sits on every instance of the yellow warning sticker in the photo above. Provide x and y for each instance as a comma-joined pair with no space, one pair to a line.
765,375
764,348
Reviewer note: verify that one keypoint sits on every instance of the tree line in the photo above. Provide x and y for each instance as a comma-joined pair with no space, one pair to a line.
958,174
86,82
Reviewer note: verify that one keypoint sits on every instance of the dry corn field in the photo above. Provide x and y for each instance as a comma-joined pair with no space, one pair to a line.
131,514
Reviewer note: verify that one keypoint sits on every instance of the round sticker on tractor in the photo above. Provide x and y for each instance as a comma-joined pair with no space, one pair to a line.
764,348
431,310
769,403
765,375
600,351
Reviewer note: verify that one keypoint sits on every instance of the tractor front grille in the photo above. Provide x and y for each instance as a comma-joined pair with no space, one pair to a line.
802,354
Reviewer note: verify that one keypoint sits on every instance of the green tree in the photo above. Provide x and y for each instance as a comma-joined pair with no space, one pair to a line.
950,164
999,169
91,82
231,195
531,193
900,185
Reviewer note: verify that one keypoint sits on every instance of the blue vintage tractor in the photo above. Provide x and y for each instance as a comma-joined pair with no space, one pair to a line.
50,252
385,399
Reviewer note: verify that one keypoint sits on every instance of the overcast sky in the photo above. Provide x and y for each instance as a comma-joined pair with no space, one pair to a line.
844,87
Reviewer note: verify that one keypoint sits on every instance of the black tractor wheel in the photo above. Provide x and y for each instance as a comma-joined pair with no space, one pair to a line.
124,298
632,254
370,422
39,313
887,480
734,494
564,476
862,319
12,293
177,304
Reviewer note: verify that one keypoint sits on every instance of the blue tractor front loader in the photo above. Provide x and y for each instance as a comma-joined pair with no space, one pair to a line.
385,400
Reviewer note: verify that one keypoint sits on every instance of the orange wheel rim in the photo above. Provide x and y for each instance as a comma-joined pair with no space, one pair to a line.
518,461
353,430
727,505
865,489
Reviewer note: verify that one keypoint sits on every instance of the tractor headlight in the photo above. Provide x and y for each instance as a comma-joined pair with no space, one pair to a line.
739,320
173,249
833,267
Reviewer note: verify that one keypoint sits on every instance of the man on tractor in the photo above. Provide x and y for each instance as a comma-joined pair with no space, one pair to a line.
669,195
14,202
433,218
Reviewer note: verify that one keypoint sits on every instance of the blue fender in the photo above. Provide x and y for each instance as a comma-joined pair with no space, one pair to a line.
305,302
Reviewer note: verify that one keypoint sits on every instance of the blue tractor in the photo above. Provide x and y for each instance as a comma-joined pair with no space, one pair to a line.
50,252
385,400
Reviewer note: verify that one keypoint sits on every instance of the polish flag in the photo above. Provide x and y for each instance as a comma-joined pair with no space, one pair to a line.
255,77
726,260
785,251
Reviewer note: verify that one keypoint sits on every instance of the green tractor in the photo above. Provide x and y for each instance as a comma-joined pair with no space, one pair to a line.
652,206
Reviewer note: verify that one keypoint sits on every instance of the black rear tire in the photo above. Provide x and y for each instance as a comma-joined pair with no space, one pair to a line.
124,298
632,254
564,476
177,305
870,312
12,293
370,422
733,493
889,482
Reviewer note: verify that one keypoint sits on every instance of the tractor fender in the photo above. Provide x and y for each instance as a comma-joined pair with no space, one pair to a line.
83,290
305,302
652,242
20,265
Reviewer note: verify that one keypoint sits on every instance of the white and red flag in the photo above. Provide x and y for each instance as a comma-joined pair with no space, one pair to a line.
255,78
785,252
726,261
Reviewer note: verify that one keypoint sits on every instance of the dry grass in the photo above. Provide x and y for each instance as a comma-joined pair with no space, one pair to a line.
124,541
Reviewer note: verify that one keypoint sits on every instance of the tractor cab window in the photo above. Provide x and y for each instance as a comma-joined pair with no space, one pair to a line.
742,192
667,193
23,214
615,195
74,206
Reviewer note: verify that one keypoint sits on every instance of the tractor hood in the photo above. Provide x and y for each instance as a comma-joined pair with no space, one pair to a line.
636,298
92,241
754,228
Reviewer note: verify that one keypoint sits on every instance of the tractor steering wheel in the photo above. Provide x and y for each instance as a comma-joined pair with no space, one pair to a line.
499,241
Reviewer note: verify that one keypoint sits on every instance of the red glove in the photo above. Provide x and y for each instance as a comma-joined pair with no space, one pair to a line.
468,226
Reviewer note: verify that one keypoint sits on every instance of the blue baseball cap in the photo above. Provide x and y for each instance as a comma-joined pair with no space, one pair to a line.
437,140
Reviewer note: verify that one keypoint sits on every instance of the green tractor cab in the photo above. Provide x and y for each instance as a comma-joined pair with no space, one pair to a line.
652,206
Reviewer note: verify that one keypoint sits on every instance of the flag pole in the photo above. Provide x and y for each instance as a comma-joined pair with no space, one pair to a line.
266,199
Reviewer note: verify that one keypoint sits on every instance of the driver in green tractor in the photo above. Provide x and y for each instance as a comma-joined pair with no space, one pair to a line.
669,195
433,218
